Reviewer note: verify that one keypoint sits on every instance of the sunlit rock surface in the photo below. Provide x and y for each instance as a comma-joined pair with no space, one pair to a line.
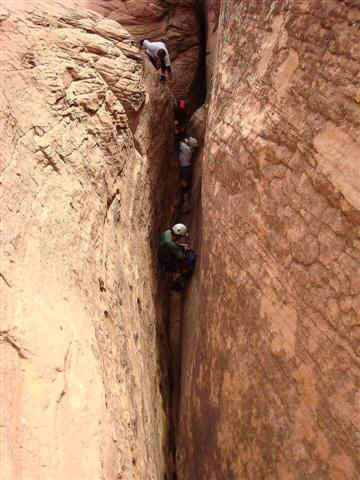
80,162
270,366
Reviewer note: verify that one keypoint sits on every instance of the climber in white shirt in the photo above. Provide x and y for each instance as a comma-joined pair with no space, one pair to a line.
158,53
186,148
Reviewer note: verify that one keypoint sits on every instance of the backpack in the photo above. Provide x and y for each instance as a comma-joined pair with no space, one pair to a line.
189,262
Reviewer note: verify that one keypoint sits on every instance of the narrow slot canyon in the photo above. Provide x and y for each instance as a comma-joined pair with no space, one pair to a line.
252,370
175,301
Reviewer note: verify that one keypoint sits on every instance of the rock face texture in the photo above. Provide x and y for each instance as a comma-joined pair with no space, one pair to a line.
81,160
270,365
271,337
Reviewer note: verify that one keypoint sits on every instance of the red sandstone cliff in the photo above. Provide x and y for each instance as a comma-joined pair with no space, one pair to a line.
270,379
270,362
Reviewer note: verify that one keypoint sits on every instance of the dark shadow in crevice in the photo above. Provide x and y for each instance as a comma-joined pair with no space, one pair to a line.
166,209
194,221
199,85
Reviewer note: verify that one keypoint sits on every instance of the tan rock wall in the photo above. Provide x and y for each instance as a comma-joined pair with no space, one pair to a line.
80,161
270,380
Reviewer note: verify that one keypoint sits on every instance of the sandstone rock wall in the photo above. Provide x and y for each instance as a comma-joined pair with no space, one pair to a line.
270,366
81,389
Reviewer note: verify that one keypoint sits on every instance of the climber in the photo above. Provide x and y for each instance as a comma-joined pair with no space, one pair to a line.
176,256
180,121
180,114
158,53
186,148
180,133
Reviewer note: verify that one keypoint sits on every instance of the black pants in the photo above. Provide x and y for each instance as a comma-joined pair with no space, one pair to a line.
169,264
153,61
186,177
163,67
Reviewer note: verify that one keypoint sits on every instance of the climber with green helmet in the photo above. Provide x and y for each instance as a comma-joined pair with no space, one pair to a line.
171,248
176,256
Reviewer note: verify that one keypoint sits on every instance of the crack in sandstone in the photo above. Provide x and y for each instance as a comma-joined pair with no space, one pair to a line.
6,337
67,360
176,303
5,280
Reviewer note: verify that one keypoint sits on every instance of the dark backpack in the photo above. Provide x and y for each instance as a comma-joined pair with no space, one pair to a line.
189,262
168,263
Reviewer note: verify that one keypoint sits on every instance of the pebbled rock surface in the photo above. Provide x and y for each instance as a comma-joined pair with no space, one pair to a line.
270,365
81,389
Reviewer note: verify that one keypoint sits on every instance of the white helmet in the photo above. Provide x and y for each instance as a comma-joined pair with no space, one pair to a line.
179,229
192,142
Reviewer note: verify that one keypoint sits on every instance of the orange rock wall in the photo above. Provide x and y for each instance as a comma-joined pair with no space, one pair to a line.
82,388
271,348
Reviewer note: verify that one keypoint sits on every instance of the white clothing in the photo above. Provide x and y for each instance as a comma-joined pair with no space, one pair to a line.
185,154
192,141
152,49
